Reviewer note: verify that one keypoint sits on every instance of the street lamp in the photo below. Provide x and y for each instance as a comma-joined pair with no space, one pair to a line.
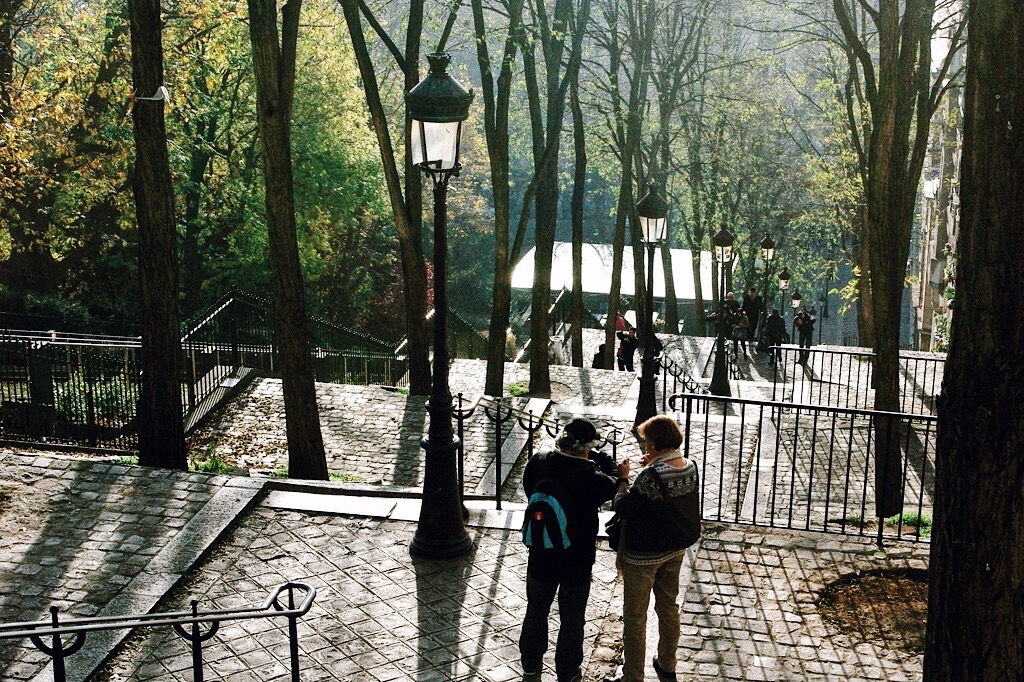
794,302
722,243
437,106
652,211
768,255
784,279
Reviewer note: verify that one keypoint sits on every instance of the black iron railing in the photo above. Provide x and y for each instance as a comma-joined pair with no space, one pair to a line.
500,412
807,467
843,378
81,391
682,380
49,635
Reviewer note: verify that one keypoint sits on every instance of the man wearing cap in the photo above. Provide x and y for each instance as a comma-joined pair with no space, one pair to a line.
565,572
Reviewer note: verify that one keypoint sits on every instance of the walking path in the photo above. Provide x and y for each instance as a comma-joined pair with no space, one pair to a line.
749,611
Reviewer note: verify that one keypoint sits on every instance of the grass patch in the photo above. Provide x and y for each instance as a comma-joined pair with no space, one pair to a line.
519,389
922,522
212,464
282,472
127,461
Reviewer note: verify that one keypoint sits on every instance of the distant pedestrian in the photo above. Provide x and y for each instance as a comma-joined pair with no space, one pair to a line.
752,306
740,332
660,513
805,331
627,349
598,362
562,545
775,333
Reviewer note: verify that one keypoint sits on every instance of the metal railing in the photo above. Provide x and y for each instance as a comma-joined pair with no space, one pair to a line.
499,413
48,635
69,392
807,467
82,389
843,378
681,379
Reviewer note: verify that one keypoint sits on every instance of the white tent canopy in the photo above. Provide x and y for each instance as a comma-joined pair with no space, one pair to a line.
597,271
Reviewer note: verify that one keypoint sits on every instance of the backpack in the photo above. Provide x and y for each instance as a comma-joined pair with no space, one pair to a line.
548,522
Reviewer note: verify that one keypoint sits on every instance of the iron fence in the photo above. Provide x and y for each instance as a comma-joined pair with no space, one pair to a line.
843,378
69,393
49,635
807,467
83,389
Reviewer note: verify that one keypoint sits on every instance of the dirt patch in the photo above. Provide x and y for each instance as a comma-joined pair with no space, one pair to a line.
887,607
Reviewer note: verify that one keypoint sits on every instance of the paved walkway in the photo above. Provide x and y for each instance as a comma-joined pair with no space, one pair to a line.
115,539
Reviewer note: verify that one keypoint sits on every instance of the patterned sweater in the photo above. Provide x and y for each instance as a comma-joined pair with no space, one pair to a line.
661,510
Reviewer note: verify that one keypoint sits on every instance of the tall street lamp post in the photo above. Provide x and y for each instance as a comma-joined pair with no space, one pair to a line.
722,243
794,302
437,107
768,255
652,211
784,279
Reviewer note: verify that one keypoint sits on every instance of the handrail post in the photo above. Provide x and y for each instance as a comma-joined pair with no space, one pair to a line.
293,634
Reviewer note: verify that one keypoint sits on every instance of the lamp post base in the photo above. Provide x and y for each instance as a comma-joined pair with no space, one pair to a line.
440,531
720,374
646,404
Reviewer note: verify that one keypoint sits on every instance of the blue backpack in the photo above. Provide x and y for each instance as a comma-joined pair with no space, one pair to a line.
548,524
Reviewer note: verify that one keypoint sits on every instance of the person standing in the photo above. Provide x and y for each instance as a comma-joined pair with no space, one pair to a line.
775,333
568,476
805,332
752,305
628,343
741,327
661,519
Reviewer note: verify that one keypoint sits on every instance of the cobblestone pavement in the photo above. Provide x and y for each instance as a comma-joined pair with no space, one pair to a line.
371,434
378,615
78,534
749,611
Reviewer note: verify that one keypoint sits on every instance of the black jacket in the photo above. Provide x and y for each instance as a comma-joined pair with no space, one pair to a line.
661,510
589,489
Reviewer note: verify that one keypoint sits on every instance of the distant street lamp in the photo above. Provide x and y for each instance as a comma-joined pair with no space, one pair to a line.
652,211
437,106
768,255
722,243
784,279
794,302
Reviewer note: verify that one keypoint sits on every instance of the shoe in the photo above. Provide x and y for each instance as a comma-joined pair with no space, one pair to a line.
532,677
663,675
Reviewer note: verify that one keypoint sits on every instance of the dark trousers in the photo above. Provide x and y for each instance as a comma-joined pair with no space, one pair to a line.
805,342
533,641
626,363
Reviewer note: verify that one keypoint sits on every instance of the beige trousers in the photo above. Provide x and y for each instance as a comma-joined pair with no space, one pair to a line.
638,583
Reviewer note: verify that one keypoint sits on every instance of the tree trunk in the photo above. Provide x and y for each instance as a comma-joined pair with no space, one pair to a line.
976,591
698,292
193,272
274,64
408,226
865,312
7,10
161,431
579,184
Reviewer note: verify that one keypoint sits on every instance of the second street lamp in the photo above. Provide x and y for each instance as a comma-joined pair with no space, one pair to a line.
437,107
784,279
794,302
722,243
768,255
652,212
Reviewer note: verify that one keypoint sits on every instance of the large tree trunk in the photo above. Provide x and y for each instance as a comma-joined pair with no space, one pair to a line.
193,272
976,572
496,96
579,184
407,224
274,64
161,432
865,311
